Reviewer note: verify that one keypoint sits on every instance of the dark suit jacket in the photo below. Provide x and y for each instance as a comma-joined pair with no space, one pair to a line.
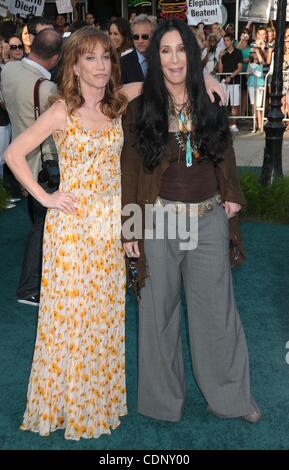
140,186
131,70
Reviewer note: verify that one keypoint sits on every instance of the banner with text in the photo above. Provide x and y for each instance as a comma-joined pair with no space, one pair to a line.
255,10
273,11
4,7
25,7
205,11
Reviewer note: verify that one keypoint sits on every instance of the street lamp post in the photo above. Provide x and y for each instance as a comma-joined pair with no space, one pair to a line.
274,128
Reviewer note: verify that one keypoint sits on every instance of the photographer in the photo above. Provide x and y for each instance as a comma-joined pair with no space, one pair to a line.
18,79
271,34
244,47
262,45
256,85
219,32
210,55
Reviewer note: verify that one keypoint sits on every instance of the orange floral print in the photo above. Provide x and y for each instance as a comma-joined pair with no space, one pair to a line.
77,380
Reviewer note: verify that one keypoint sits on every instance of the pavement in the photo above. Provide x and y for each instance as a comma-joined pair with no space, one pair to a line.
249,148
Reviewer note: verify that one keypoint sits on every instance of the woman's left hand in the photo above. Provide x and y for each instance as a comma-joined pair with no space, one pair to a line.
231,208
213,86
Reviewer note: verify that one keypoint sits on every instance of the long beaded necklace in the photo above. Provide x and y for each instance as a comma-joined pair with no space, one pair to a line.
182,119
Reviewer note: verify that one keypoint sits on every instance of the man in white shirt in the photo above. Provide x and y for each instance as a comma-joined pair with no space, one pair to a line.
18,79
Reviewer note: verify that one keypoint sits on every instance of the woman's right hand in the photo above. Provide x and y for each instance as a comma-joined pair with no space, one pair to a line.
131,249
66,202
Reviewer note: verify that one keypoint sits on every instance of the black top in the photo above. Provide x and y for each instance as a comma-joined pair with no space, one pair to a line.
187,184
230,61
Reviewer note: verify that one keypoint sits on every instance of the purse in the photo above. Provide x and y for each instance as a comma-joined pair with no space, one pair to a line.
49,175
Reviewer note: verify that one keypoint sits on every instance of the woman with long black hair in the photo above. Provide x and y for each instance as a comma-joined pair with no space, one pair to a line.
178,155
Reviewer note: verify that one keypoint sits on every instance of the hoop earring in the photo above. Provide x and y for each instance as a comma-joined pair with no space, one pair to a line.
78,85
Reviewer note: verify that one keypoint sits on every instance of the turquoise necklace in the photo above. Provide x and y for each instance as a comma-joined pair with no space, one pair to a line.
185,126
183,121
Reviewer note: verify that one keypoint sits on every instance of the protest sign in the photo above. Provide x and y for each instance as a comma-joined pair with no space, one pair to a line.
63,6
4,7
25,7
255,10
206,11
273,11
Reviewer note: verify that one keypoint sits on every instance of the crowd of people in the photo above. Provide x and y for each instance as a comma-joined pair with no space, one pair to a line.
122,111
246,72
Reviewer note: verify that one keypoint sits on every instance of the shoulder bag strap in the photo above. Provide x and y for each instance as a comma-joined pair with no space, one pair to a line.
37,110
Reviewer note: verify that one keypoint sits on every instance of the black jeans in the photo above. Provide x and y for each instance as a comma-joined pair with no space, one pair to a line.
29,284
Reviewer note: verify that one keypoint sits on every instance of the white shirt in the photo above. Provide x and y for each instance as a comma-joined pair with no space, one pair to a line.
212,59
34,64
126,52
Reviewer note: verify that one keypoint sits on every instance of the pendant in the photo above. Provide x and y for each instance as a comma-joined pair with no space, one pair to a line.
181,121
189,150
182,117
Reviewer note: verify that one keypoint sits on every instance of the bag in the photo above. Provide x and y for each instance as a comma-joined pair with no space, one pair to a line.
49,176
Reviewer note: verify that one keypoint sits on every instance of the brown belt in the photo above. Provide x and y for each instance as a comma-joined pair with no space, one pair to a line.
203,207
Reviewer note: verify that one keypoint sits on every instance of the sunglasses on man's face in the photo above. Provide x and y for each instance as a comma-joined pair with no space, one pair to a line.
136,37
13,47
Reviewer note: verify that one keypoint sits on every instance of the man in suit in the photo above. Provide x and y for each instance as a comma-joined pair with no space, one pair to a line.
134,64
18,79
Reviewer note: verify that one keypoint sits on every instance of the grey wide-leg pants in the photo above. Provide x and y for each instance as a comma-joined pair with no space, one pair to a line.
217,342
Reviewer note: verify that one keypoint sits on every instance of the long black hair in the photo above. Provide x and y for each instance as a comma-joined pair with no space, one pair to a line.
210,120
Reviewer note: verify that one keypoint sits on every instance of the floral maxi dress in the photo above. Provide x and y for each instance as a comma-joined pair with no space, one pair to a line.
77,380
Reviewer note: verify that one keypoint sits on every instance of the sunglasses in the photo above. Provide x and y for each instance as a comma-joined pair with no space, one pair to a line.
14,47
136,37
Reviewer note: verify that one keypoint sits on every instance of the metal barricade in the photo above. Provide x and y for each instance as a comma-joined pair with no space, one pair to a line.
243,101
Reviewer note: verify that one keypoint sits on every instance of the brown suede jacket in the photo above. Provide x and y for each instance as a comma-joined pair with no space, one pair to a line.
140,186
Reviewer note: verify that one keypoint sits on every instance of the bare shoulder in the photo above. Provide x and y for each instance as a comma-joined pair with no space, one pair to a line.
58,111
132,90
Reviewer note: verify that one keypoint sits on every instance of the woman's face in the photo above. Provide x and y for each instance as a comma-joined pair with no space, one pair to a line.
173,58
115,36
27,38
15,49
94,69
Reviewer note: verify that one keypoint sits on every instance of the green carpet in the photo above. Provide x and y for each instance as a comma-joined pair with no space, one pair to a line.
262,286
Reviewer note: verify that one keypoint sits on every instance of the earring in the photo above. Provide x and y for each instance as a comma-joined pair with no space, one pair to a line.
78,85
